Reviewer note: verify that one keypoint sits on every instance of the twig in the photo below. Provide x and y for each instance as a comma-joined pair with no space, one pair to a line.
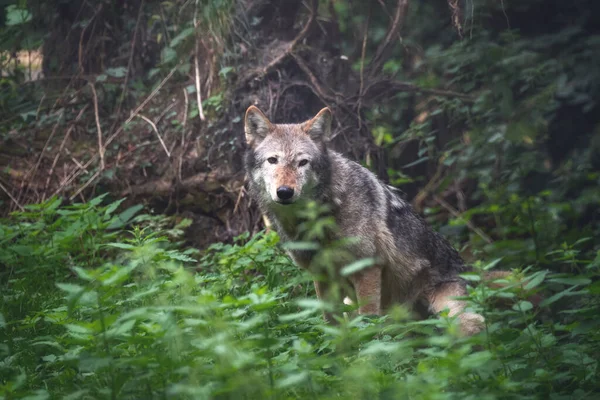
456,16
239,198
31,173
325,97
5,190
456,214
62,145
75,161
37,113
185,111
153,125
98,127
362,69
197,66
81,189
385,85
80,50
290,48
384,48
114,135
505,15
129,64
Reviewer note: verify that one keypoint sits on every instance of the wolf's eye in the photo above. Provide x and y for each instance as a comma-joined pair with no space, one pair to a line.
272,160
303,163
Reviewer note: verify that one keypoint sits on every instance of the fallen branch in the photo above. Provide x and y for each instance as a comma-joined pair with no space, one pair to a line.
207,182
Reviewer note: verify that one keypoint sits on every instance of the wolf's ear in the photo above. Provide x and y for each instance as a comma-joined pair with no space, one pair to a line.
319,128
256,126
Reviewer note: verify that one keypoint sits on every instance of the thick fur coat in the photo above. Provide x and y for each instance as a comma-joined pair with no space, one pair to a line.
290,164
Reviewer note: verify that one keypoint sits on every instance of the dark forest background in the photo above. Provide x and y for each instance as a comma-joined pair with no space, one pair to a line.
484,113
469,108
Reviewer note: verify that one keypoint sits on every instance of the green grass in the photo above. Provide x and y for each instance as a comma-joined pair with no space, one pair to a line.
99,304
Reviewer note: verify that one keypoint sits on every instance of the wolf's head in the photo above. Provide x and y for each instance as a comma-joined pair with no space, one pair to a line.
286,162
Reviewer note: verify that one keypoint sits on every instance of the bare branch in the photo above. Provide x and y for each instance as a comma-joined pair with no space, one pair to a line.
456,214
129,63
98,127
382,87
75,174
60,149
456,16
290,48
384,49
5,190
153,125
196,66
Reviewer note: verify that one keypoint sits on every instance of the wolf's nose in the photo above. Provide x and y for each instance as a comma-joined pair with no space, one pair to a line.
285,192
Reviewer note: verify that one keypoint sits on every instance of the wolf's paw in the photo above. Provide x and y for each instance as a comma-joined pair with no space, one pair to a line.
471,323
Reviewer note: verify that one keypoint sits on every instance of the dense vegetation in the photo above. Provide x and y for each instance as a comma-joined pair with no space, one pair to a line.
485,113
92,310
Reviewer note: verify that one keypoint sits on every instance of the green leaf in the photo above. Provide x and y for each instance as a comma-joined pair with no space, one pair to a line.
471,276
112,207
182,36
70,288
556,297
492,264
124,246
535,280
123,219
357,266
16,16
97,200
121,329
301,246
168,55
522,306
83,274
292,379
575,281
176,255
117,72
225,71
380,347
77,329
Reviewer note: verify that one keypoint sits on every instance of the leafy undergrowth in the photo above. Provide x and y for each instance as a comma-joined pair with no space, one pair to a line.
92,308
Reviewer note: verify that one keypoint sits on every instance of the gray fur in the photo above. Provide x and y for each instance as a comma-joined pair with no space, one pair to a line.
417,264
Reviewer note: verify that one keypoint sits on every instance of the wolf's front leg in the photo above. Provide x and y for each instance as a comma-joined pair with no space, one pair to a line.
367,285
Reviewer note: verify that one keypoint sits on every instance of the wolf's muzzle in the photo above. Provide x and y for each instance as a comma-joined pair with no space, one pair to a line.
285,192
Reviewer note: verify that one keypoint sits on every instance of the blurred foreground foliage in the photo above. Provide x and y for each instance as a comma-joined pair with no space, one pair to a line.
495,134
94,309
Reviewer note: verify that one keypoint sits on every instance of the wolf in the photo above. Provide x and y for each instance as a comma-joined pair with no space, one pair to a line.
289,165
